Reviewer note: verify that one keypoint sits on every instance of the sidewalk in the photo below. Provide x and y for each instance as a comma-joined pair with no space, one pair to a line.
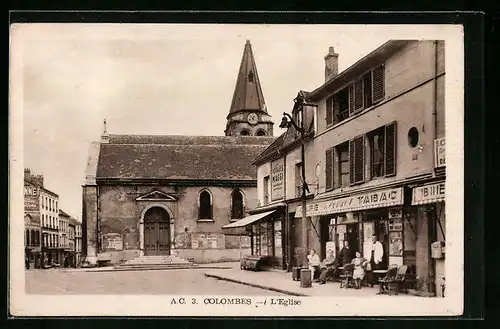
280,281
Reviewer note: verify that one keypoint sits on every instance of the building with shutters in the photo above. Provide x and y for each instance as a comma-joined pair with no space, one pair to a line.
42,218
375,163
149,195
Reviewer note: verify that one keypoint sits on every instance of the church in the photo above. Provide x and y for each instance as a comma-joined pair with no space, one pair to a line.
160,195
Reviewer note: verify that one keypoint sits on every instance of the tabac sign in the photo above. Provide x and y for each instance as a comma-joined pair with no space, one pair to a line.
277,179
377,199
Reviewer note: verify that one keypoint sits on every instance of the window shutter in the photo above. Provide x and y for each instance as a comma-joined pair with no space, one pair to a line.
358,95
390,149
329,111
378,82
336,166
351,98
329,169
351,161
359,159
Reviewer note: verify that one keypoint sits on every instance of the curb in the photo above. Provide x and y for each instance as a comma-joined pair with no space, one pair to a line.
286,292
157,269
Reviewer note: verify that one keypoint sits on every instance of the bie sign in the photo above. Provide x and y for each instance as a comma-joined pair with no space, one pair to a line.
277,178
382,198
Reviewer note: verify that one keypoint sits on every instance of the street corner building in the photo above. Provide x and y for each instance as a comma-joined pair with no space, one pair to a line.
170,195
373,143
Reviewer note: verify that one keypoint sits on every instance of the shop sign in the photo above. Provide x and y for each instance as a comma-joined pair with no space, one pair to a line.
112,241
377,199
30,190
440,152
429,193
30,203
277,179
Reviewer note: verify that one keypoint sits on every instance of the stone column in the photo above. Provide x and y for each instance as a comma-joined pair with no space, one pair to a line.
141,238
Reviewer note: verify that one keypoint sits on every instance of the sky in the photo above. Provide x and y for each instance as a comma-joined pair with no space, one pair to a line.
156,79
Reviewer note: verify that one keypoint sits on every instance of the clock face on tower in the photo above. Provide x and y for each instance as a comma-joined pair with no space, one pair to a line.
252,118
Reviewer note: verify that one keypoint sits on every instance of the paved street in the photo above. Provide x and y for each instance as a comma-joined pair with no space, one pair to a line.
58,281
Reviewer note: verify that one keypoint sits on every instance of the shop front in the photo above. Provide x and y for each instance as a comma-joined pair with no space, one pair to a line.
428,200
357,218
266,230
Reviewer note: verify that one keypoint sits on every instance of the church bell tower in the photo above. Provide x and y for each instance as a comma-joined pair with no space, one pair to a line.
248,113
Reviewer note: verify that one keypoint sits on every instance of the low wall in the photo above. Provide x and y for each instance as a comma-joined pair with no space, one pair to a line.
117,257
201,256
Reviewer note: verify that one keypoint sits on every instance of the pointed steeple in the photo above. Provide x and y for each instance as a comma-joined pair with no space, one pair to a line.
248,114
248,92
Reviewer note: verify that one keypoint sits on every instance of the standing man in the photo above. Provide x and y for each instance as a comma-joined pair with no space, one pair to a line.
346,254
375,252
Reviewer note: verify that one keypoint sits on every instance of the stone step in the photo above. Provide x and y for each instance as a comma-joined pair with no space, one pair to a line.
162,260
154,267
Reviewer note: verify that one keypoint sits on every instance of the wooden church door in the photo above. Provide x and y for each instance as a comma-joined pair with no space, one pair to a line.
156,232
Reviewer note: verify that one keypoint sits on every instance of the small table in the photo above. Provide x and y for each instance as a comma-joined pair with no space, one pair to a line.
379,273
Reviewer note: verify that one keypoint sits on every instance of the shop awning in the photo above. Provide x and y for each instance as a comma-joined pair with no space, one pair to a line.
239,227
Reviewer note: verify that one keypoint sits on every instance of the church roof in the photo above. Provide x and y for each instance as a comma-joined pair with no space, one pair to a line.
178,157
248,91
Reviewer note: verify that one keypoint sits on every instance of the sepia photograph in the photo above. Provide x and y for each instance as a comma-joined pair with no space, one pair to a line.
232,169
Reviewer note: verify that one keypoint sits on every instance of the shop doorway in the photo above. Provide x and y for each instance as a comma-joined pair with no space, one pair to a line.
352,236
381,231
324,232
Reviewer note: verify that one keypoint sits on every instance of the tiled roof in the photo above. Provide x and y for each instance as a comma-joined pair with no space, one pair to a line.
271,149
180,157
285,139
63,213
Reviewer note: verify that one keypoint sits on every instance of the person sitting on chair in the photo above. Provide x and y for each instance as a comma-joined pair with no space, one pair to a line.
314,262
327,266
359,270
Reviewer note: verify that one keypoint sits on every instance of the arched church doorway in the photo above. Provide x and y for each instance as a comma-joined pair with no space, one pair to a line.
156,232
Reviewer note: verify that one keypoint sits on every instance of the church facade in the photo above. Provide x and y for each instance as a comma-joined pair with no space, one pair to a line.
153,195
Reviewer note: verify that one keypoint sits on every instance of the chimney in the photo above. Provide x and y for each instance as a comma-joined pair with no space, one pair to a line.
27,173
38,180
331,64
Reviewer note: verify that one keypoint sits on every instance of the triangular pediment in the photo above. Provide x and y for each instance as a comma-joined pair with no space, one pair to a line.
156,196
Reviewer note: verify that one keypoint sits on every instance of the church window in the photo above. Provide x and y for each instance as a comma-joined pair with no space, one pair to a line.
237,205
205,205
244,132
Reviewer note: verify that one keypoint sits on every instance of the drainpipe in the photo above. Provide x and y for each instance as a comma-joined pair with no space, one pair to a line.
434,109
432,232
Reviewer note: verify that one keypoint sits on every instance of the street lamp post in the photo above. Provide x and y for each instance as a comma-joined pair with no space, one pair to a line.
286,122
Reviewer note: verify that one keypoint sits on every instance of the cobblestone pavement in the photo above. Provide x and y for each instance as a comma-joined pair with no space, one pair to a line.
57,281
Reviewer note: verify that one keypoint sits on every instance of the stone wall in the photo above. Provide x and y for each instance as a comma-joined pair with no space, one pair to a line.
120,216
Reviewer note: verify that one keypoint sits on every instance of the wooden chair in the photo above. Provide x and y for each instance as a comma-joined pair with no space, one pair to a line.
387,282
346,280
400,279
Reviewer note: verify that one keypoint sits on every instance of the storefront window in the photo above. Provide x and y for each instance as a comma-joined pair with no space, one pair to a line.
278,251
263,239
